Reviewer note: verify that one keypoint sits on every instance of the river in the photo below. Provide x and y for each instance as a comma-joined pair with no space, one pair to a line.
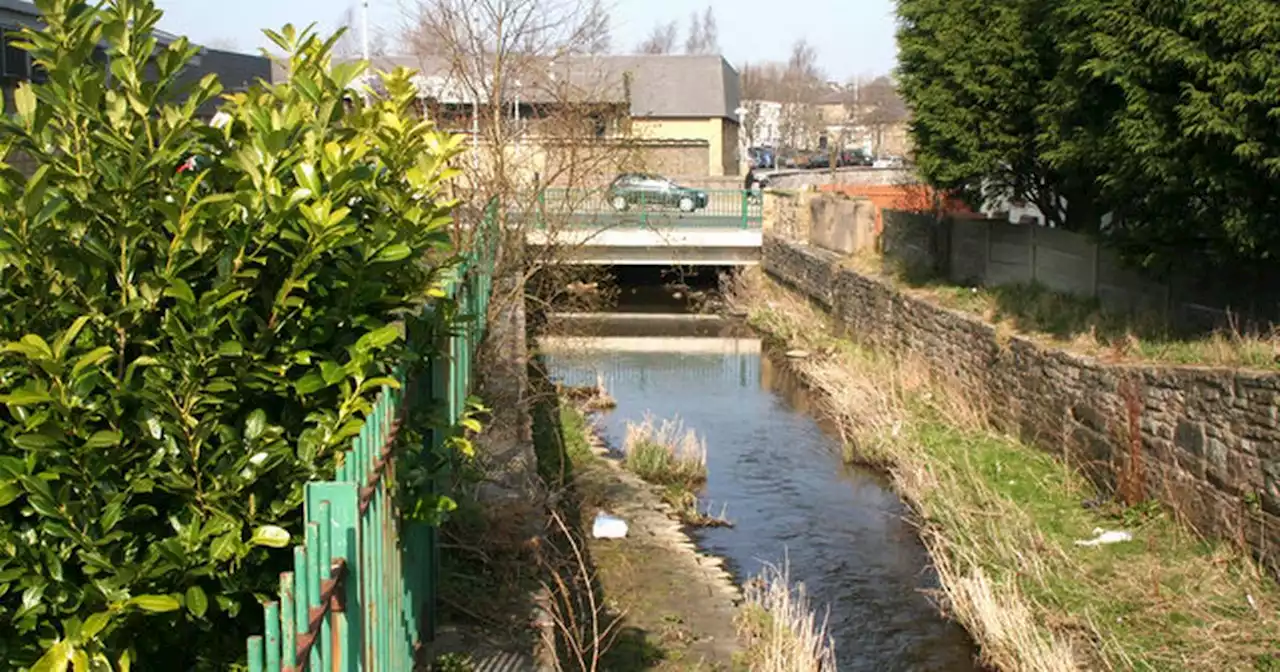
777,472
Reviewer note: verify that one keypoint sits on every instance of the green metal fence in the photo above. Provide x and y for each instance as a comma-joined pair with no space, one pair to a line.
361,595
724,208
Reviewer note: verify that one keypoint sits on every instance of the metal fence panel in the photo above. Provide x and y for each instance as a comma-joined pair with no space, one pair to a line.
593,208
361,596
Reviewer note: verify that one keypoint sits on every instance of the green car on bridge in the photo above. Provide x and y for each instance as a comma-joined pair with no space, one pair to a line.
643,189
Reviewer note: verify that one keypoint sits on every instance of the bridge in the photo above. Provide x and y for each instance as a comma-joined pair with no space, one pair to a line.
725,232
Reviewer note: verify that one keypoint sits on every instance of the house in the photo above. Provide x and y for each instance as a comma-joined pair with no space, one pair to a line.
837,122
236,71
677,113
685,99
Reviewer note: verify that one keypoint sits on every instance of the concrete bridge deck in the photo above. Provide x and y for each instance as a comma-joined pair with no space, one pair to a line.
725,233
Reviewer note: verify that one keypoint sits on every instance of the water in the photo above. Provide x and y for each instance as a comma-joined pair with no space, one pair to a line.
778,471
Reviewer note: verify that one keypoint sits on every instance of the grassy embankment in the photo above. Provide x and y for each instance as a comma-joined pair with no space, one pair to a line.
1001,520
659,616
1082,325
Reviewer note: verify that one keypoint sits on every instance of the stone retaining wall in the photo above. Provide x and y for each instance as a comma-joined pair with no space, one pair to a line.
1209,439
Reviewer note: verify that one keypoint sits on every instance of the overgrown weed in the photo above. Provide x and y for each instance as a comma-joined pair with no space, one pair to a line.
779,628
665,452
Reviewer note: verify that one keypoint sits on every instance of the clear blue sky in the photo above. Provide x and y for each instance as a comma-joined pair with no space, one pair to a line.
852,37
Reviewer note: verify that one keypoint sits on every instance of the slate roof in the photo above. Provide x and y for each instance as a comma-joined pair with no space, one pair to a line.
662,86
236,71
16,13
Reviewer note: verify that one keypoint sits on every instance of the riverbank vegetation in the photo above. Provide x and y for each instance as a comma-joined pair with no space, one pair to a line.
1081,324
671,608
1002,521
779,629
667,454
650,624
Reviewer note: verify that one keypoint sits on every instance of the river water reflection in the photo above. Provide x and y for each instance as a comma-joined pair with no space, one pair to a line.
778,472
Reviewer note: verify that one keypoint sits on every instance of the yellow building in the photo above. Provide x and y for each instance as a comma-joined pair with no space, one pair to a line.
685,100
675,114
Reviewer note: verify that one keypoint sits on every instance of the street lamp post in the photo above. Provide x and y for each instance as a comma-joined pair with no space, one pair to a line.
477,46
364,31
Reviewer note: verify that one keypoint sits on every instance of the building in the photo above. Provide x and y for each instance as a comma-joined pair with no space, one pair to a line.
761,124
236,71
686,99
837,124
677,114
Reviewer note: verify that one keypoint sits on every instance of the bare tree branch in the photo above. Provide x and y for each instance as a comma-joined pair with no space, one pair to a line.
710,32
543,112
598,37
662,40
693,41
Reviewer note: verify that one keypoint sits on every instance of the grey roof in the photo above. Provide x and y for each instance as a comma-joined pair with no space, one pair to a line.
236,71
15,13
664,86
676,86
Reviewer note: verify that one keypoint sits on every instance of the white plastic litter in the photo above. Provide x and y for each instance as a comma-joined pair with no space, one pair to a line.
1101,536
608,527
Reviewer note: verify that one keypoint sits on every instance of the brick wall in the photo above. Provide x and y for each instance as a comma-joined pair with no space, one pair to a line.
1209,439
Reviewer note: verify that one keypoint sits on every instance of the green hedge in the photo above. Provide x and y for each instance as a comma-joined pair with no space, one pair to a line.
184,350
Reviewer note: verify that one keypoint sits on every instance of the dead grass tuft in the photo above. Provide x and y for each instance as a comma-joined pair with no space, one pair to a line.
665,452
779,628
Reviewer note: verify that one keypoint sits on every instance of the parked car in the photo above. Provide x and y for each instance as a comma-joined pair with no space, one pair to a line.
818,160
890,162
853,157
630,189
760,157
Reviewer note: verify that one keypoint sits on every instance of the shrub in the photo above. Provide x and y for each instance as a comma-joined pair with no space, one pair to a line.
182,351
665,452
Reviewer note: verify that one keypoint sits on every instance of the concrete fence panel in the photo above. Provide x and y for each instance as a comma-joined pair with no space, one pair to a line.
968,251
1009,254
909,238
1122,288
1064,261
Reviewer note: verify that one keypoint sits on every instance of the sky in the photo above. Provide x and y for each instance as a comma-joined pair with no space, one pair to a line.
852,37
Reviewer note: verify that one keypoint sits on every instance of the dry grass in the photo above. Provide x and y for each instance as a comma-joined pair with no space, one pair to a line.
779,628
1083,325
665,452
1000,520
590,398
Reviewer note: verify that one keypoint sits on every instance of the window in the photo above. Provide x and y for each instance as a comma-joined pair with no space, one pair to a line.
16,63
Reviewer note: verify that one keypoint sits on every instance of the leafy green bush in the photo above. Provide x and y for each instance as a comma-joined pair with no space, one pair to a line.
183,350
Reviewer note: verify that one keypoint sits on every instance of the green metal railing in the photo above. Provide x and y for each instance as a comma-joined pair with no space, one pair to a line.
596,208
361,595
